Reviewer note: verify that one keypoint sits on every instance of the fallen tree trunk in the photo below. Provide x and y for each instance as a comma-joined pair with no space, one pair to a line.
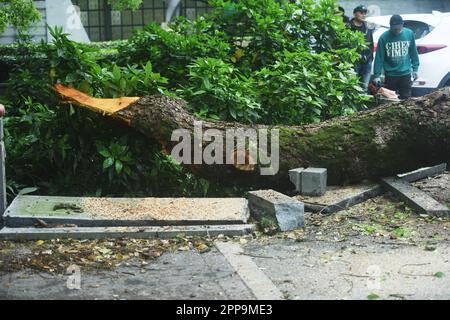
380,142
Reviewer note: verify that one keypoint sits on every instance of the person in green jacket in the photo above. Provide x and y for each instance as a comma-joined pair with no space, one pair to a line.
397,55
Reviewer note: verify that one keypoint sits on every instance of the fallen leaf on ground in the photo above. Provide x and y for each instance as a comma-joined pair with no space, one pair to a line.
202,248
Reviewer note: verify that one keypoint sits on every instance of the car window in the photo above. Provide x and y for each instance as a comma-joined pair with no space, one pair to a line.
420,29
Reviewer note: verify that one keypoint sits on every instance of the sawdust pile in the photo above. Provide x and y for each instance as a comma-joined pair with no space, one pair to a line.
165,208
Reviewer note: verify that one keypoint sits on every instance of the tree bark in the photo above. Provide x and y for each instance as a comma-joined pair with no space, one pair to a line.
379,142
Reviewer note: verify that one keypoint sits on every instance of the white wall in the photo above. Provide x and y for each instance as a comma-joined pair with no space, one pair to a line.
388,7
62,13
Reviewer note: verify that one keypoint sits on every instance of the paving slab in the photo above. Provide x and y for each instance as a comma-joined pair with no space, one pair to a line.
300,270
25,211
8,233
345,271
416,198
186,275
340,198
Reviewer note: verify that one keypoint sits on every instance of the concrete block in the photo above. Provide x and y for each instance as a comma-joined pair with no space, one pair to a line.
25,210
423,173
416,198
314,181
296,178
268,205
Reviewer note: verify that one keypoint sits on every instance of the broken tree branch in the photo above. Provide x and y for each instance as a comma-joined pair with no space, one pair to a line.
379,142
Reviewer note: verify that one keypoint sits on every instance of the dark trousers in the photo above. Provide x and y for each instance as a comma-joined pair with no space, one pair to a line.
402,85
364,71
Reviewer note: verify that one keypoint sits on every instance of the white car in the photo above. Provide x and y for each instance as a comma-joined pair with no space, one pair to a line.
432,33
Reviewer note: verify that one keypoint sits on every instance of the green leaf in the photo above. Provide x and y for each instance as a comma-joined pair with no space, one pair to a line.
119,166
123,85
439,274
108,163
117,74
148,68
105,153
71,78
373,296
206,83
28,190
233,113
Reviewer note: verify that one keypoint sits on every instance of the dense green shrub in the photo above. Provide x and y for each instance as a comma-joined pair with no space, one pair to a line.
169,52
302,88
257,30
114,81
28,53
218,90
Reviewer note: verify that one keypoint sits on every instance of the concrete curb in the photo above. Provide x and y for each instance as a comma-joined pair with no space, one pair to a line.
416,198
255,279
345,203
22,222
423,173
123,232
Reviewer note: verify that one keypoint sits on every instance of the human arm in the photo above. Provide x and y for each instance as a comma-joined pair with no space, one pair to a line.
379,59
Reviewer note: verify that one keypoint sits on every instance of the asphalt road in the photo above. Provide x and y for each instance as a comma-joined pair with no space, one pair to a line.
362,269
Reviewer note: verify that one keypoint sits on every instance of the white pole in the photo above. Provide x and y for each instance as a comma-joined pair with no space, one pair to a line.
173,5
2,171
